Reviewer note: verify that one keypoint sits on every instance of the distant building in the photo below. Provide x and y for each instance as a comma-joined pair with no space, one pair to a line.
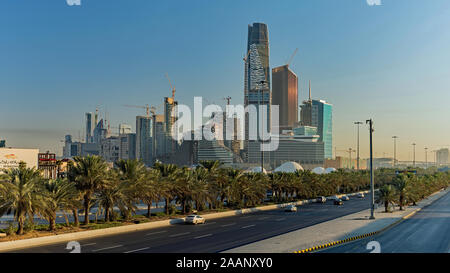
305,130
212,150
442,156
285,94
124,129
305,150
48,166
2,143
144,139
319,113
127,146
110,148
345,163
88,128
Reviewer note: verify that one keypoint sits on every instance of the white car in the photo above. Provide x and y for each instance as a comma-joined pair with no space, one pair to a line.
345,198
360,195
290,208
195,219
321,199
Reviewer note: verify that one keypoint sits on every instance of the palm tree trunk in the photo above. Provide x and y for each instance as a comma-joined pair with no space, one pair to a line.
107,217
75,217
86,209
149,207
52,223
386,206
167,205
20,225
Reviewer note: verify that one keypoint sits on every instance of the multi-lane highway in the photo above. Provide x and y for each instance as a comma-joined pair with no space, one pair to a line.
428,231
217,234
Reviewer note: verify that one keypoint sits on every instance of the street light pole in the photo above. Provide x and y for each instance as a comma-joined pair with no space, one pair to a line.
262,125
372,193
414,154
395,149
357,148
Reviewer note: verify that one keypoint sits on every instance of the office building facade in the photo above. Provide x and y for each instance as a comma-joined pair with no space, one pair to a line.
257,74
144,139
285,95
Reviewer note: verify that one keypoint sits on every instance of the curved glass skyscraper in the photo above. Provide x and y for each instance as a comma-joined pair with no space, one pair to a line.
257,72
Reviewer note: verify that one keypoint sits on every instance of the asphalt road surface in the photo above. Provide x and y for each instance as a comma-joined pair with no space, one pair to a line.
428,231
216,235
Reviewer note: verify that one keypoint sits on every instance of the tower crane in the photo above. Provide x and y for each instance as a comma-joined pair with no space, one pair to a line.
172,87
292,57
146,107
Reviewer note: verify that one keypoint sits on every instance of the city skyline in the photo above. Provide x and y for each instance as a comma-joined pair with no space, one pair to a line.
395,81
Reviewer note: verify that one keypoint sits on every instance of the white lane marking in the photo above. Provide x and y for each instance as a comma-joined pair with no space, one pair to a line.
281,219
203,236
227,225
262,218
179,234
158,232
209,223
90,244
106,248
136,250
243,217
248,226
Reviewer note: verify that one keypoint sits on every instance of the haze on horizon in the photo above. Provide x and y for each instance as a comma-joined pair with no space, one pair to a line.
388,62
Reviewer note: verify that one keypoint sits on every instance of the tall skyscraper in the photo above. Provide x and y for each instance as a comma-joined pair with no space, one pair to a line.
257,73
169,120
88,127
285,94
143,139
319,114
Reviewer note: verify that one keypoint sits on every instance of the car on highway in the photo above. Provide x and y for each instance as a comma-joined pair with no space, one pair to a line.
321,199
194,219
360,195
290,208
338,202
345,198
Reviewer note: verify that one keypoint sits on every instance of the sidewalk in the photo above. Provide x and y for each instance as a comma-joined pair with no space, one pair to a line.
338,229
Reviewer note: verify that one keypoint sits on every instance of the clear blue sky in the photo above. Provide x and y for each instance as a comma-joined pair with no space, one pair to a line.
389,62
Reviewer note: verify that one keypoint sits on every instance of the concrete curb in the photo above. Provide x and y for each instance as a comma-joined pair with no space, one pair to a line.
73,236
365,235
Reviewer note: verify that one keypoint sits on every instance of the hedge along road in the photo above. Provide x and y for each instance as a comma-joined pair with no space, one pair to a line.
427,231
217,234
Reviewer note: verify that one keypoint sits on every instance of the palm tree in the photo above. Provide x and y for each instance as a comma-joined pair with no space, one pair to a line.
131,174
386,195
400,183
148,191
89,175
58,195
20,194
169,175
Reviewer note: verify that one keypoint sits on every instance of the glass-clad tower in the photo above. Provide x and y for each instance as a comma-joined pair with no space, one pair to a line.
257,72
322,118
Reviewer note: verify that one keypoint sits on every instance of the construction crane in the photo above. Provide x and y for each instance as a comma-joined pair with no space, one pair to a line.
292,57
146,107
172,87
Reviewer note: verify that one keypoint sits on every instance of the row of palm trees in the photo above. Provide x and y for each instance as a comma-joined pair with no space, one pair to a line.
91,182
408,189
